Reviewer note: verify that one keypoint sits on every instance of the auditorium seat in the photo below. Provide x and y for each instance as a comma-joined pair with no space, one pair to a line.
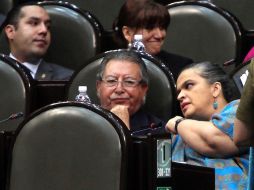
16,92
243,10
76,35
68,146
5,6
161,98
204,32
105,11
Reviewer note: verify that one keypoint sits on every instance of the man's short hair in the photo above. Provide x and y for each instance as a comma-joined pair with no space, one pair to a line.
15,14
130,56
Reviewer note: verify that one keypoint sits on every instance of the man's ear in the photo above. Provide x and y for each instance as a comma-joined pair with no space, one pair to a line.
216,89
128,33
144,89
10,31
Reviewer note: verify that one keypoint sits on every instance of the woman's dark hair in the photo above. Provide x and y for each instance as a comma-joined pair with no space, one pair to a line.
214,73
138,14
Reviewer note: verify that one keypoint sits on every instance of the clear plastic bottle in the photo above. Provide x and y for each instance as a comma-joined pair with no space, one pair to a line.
137,43
83,96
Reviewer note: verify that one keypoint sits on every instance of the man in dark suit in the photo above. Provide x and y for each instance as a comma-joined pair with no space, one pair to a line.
122,84
27,28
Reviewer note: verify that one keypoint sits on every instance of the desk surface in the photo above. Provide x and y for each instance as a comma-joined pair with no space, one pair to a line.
187,176
184,176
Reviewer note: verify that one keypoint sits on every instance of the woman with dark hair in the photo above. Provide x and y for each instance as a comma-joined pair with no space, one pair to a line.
151,20
204,136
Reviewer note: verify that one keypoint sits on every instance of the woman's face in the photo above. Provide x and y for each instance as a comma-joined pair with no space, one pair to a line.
195,95
152,38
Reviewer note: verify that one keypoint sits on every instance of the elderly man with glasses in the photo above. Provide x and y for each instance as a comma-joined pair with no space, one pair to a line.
122,84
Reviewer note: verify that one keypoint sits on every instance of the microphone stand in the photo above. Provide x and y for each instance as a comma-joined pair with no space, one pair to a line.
13,116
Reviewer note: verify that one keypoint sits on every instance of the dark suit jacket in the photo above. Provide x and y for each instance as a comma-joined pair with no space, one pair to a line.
174,62
50,71
142,120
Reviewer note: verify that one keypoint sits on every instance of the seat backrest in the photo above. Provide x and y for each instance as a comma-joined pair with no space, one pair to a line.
70,146
241,9
75,35
160,99
5,6
16,92
105,11
204,32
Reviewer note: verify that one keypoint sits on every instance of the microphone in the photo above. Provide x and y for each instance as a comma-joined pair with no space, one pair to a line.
13,116
153,128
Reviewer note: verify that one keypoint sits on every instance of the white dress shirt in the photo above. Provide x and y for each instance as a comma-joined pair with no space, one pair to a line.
32,67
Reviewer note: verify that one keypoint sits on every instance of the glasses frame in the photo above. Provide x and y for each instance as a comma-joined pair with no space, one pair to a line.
124,83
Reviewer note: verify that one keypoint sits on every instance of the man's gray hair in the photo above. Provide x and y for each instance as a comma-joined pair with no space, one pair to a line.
130,56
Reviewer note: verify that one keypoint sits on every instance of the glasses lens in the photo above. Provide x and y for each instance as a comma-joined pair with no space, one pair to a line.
130,83
110,82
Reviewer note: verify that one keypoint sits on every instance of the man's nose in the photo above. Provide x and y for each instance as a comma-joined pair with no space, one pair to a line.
43,28
119,87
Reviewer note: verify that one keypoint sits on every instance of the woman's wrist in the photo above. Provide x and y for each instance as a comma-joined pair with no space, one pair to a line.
177,122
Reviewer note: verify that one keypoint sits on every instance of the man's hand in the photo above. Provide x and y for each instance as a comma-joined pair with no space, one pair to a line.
122,112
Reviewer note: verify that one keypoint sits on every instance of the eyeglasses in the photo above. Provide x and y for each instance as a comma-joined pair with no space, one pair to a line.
111,82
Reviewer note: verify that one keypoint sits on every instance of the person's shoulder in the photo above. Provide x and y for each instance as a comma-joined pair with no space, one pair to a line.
167,56
251,66
59,72
234,103
231,106
59,67
175,63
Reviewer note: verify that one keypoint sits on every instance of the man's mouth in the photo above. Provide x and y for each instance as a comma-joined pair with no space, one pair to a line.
41,42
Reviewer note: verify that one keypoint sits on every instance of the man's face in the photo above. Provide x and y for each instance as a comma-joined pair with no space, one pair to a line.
30,39
120,93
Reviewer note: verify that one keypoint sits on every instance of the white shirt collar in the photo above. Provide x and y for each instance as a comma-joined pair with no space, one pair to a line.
32,67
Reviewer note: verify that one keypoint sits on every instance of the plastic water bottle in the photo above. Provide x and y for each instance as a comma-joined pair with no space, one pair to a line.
82,95
137,43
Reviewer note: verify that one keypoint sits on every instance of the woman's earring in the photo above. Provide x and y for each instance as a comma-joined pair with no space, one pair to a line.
215,104
129,45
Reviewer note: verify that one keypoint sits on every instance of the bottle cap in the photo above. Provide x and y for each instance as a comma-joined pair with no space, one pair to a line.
82,88
138,37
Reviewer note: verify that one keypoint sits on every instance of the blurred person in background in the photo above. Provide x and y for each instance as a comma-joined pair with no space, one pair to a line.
244,121
27,28
151,20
